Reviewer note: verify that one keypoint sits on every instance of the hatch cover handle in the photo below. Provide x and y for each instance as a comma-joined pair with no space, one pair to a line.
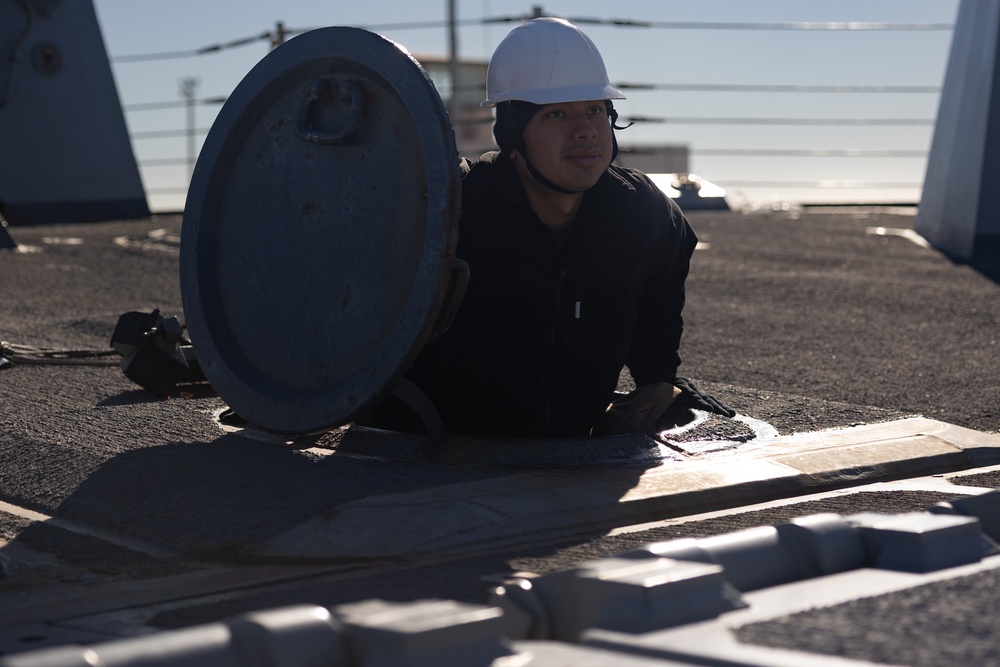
318,93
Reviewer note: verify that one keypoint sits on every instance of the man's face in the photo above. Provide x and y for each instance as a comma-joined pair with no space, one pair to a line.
570,143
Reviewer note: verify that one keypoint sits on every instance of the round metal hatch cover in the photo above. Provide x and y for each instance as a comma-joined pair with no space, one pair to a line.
319,230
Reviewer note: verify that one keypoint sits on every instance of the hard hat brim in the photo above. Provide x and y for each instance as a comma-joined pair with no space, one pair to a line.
557,95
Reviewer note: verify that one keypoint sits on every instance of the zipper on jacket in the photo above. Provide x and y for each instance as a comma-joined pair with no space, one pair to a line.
554,321
557,305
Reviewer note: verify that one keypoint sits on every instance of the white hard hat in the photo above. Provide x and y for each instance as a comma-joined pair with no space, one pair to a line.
545,61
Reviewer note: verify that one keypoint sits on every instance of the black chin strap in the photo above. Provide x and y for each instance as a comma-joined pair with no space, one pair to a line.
540,177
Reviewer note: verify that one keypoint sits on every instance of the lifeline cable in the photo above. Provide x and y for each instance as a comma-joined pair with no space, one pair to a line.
28,354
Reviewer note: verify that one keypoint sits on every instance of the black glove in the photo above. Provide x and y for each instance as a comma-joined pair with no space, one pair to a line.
694,399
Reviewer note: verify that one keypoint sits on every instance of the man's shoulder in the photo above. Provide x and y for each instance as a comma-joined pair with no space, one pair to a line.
481,179
483,163
636,186
640,199
633,179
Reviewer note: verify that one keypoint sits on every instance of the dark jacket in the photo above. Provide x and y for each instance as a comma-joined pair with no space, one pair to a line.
547,323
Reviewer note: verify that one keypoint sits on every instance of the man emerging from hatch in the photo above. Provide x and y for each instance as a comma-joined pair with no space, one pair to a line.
577,267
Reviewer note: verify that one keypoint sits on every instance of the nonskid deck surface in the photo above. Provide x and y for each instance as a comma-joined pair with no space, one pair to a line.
125,514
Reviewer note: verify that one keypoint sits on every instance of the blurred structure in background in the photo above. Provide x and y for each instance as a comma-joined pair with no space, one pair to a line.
654,159
66,151
472,123
960,204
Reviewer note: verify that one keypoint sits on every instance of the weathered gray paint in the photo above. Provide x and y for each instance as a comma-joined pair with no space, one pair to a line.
960,205
319,230
66,150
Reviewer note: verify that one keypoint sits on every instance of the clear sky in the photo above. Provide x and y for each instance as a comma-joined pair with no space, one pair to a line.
662,55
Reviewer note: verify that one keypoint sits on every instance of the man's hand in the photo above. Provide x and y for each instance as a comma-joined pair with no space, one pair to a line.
691,397
638,410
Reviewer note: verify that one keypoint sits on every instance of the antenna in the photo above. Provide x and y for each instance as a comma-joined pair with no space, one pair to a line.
188,87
